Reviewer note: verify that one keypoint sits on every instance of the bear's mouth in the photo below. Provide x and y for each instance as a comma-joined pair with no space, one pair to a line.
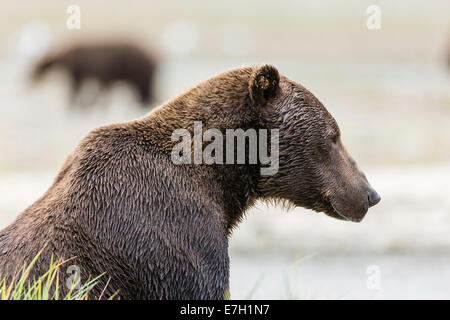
332,212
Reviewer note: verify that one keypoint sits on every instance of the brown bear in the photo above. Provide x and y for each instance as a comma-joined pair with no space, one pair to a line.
159,230
106,63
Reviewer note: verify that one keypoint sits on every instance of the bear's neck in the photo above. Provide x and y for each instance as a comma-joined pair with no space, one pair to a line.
220,107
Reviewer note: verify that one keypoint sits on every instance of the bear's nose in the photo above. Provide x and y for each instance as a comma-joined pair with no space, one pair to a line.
373,197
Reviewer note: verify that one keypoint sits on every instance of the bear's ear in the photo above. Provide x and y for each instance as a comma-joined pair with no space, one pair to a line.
264,84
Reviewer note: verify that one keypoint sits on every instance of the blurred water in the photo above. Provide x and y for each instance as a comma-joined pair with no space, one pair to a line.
360,276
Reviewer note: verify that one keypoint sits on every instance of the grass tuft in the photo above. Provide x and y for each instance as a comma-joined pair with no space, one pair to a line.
46,286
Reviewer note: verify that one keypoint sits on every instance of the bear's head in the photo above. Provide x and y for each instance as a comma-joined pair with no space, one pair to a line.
315,170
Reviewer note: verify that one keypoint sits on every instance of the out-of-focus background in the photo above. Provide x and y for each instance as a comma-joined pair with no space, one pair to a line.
388,89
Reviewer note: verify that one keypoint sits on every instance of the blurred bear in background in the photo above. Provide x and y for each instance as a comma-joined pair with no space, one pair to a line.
105,63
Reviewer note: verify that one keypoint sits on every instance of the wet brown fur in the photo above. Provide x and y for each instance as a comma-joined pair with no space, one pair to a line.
160,230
